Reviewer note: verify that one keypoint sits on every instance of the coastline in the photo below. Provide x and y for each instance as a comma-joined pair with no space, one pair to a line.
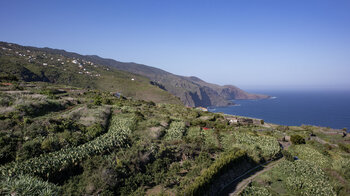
295,109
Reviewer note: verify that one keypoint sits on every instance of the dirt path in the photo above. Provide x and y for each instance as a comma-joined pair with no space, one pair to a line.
241,185
323,141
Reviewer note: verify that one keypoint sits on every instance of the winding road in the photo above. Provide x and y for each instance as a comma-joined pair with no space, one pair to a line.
237,189
239,183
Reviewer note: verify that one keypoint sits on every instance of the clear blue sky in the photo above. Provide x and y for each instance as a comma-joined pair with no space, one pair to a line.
261,44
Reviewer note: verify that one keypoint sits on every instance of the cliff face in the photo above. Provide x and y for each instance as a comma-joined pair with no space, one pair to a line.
220,95
231,92
191,90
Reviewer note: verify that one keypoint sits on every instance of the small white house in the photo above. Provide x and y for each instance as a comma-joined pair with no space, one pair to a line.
202,109
233,121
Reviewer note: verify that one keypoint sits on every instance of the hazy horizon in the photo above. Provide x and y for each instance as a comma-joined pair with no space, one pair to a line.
254,45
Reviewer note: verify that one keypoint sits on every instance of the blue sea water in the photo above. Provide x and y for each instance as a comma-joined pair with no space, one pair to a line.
327,109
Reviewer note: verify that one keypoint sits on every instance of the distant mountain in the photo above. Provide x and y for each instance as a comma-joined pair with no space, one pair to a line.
192,91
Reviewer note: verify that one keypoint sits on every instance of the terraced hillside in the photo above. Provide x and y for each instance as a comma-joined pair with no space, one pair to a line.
62,140
75,141
58,140
318,164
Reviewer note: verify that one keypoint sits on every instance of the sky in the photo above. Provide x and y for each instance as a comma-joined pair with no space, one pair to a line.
253,44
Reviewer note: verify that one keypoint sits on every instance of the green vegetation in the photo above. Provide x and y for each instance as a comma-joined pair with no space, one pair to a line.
344,147
319,167
297,139
27,185
93,142
255,190
287,155
129,79
305,178
63,140
59,67
295,178
202,183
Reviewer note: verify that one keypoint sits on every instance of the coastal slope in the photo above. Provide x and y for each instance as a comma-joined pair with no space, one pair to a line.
131,79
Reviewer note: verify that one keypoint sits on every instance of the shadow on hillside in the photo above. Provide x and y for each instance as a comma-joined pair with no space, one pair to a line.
232,187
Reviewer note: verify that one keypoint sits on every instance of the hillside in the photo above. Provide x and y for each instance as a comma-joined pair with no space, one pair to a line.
56,66
192,91
63,140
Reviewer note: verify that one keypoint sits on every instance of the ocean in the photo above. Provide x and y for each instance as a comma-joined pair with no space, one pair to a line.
326,109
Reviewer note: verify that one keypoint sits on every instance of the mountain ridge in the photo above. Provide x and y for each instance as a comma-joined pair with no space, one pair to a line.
192,90
197,93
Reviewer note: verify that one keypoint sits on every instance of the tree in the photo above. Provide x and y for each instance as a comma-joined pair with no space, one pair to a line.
297,139
97,100
287,155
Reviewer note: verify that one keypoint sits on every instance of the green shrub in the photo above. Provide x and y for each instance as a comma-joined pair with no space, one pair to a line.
40,108
176,130
27,185
282,128
344,147
27,120
50,144
198,122
194,134
203,159
255,191
342,165
310,154
288,155
304,178
6,100
202,183
267,146
297,139
94,131
49,163
7,147
98,100
5,77
29,149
